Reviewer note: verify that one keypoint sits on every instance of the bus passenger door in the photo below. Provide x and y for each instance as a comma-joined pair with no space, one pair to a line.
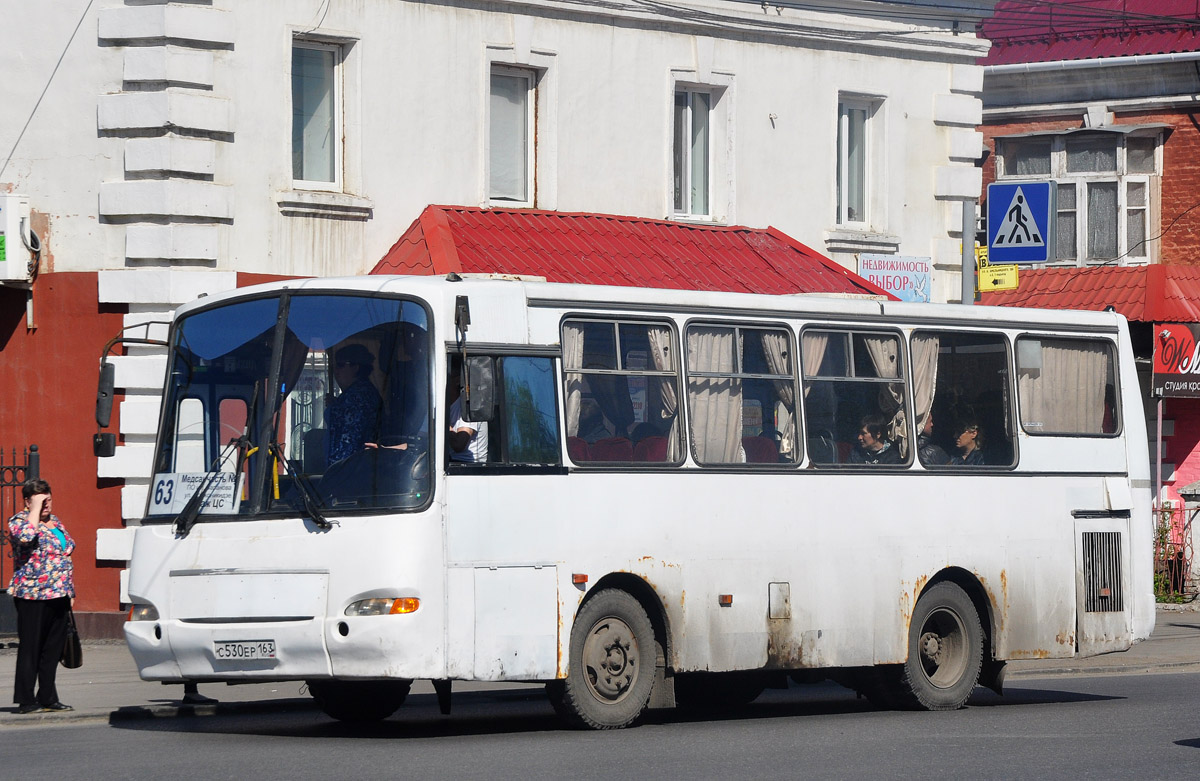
1102,594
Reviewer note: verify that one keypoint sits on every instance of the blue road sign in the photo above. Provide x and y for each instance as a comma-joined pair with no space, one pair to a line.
1021,222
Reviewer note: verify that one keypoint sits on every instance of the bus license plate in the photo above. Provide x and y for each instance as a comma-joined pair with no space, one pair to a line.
244,649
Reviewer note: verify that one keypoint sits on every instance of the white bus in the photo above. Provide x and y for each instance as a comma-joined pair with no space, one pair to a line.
684,496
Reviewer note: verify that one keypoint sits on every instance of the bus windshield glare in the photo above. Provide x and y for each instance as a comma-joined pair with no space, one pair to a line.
269,398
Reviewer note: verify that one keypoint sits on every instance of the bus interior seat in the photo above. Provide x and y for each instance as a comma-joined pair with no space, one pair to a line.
760,450
577,449
822,449
651,449
612,449
844,449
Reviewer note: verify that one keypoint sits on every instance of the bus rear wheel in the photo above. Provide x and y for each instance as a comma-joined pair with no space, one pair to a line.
611,666
945,651
359,700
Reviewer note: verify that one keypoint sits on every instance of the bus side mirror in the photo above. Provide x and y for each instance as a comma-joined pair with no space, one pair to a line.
104,445
480,399
104,394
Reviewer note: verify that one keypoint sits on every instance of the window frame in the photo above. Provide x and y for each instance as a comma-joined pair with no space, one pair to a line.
1010,387
797,420
338,110
1114,358
684,156
532,77
1082,181
904,375
871,107
616,321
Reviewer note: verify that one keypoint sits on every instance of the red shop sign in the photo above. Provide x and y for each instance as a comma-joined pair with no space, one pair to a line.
1177,360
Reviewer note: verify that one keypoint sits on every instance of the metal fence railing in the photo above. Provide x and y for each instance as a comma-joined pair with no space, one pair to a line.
15,469
1173,580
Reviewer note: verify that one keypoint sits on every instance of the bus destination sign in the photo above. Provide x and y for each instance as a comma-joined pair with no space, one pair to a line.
1177,360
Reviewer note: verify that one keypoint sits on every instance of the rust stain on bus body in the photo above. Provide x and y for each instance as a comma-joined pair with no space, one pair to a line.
1036,653
785,652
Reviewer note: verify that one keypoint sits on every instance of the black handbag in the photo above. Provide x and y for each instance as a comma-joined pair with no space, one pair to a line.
72,655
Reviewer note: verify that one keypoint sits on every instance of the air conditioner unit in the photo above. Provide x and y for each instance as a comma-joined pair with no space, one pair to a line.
16,238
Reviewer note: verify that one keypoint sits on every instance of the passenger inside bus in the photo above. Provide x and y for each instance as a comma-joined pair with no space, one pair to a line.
467,441
873,446
352,416
969,441
929,453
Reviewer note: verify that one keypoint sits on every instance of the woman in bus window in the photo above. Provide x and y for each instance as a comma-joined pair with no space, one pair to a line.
873,446
969,442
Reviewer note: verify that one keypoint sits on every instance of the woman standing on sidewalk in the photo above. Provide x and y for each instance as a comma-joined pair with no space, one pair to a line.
43,588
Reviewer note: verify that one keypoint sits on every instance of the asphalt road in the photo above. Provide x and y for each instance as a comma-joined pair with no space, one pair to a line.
1078,726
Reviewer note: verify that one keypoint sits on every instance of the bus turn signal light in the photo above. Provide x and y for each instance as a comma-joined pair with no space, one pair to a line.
725,600
579,579
405,605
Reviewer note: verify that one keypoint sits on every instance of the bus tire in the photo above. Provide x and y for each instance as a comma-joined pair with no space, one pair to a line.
945,651
611,667
359,700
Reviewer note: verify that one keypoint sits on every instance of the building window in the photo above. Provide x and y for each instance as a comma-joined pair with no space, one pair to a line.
511,137
1105,185
316,114
692,159
853,153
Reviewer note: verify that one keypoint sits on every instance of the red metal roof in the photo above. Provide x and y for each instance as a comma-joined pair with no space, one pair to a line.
1034,31
1152,294
604,249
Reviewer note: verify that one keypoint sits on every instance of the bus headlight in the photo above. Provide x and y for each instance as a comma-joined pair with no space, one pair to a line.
383,607
143,613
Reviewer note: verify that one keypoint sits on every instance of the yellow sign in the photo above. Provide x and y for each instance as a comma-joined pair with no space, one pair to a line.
997,277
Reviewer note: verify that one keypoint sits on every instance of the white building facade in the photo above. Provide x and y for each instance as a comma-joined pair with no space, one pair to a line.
169,147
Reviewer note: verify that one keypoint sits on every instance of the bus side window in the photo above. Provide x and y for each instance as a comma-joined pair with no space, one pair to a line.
741,394
621,383
1067,387
854,398
964,418
527,433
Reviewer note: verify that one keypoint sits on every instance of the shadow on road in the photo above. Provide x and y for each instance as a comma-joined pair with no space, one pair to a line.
528,711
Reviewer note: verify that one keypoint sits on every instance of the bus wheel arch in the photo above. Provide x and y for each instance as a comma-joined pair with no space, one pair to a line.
614,654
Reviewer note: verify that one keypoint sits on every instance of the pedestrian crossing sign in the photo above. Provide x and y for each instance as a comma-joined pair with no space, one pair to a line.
1020,220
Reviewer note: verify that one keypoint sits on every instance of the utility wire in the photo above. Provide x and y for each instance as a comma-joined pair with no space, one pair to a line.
29,119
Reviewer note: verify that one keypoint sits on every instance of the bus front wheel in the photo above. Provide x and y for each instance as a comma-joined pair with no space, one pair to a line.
611,665
945,651
359,700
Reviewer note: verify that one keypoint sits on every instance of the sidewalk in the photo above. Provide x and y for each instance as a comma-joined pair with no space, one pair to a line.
107,687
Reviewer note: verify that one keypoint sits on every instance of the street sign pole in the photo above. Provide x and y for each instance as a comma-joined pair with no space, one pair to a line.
968,252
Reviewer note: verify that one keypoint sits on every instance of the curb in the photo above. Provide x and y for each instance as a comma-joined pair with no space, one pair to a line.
1129,669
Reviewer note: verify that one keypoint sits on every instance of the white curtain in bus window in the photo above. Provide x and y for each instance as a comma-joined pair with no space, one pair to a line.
741,395
620,392
1066,386
714,396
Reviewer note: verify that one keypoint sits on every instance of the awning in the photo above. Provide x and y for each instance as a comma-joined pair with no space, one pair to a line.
1153,294
605,249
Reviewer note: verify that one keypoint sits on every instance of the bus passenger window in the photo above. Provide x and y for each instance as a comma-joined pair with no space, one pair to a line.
963,410
621,383
741,395
854,398
1067,387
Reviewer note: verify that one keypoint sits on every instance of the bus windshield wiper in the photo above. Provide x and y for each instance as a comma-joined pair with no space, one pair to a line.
312,505
191,511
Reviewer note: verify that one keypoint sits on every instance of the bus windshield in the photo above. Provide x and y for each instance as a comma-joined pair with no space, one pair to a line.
270,398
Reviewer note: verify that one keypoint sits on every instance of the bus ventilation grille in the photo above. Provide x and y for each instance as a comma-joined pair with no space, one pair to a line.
1102,572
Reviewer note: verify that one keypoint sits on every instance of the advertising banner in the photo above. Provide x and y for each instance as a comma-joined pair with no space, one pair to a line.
906,278
1176,360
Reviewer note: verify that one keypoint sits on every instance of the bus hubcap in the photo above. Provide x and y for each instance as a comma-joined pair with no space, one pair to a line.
610,658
